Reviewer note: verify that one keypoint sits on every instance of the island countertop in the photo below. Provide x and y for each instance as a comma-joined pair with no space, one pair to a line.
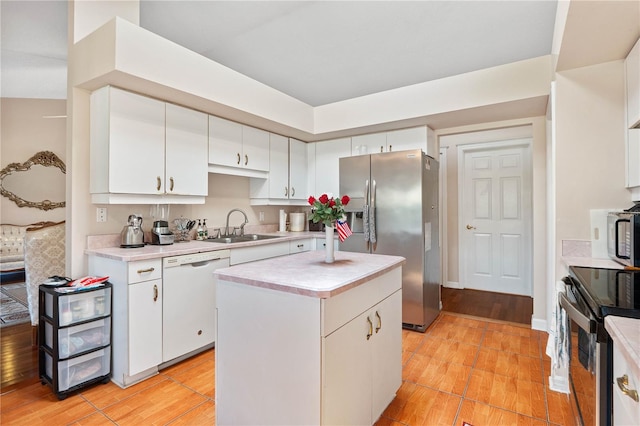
308,274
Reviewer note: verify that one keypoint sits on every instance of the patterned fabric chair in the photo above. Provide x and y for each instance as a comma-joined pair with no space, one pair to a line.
44,256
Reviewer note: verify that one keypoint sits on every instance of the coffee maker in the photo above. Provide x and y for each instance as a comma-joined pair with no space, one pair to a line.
160,233
132,234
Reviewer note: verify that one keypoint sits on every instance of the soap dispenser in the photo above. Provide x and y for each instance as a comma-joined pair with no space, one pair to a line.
199,232
205,230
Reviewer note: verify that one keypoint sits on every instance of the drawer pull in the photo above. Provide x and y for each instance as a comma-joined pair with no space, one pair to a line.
155,292
142,271
370,333
199,332
379,326
300,245
623,382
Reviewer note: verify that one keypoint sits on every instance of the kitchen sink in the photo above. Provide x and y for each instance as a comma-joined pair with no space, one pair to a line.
241,238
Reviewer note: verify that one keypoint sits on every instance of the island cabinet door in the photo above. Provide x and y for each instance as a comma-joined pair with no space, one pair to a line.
386,352
347,377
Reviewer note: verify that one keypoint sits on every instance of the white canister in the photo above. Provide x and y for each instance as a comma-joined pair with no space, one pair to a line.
296,223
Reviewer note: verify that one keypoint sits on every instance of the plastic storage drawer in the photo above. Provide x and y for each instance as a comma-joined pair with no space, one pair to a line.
81,306
79,338
82,369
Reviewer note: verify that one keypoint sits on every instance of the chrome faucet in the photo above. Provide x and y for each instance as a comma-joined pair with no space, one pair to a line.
246,220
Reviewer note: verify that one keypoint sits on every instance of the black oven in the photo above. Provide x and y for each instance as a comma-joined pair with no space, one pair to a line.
591,294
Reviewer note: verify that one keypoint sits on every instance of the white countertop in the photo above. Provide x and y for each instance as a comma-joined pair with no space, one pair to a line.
190,247
625,333
308,274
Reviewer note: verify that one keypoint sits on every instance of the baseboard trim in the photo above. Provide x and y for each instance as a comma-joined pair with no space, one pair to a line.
539,324
453,284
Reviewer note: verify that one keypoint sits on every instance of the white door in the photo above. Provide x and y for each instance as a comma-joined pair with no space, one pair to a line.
495,214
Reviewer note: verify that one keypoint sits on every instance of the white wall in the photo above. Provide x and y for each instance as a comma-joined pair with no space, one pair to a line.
26,131
589,149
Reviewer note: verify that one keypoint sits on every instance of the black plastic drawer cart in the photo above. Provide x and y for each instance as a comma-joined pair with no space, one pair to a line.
74,337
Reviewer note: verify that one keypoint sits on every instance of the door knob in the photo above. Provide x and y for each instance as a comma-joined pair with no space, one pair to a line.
471,227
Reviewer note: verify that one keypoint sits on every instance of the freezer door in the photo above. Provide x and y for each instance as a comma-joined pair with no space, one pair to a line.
354,181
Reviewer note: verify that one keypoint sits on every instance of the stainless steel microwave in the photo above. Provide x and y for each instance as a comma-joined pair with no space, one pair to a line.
623,237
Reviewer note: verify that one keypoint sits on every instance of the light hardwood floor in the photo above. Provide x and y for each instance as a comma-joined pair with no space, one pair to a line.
462,369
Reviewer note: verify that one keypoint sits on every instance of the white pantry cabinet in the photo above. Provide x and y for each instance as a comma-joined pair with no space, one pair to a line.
237,149
287,181
136,316
143,150
327,165
632,74
421,137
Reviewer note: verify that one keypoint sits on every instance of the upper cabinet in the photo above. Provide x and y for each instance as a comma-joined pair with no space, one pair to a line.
237,149
327,165
287,181
632,74
398,140
144,151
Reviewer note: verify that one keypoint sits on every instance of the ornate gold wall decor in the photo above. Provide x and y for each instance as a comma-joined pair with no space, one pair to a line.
38,179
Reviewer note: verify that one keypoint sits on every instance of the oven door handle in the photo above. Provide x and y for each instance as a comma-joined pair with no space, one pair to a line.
578,317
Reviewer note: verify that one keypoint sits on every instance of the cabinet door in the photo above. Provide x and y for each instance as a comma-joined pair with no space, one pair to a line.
255,149
186,151
414,138
298,188
328,154
386,352
347,379
225,142
369,144
145,326
278,167
136,143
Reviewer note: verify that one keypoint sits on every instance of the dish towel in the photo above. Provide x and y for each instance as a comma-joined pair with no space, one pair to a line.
558,342
372,224
365,221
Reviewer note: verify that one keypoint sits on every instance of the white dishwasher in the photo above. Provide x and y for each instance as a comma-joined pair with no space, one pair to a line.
189,302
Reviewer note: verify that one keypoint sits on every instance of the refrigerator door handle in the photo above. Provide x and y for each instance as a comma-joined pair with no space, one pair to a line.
365,213
372,216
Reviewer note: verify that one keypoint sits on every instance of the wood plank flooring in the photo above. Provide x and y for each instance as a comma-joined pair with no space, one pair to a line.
461,369
19,363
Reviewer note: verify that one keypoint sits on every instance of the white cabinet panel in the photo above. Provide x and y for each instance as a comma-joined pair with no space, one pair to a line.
145,326
237,149
255,149
186,150
278,168
369,144
298,188
328,154
632,74
225,142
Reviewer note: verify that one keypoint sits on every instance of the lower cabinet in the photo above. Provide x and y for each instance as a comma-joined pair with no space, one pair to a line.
626,385
361,368
145,326
335,360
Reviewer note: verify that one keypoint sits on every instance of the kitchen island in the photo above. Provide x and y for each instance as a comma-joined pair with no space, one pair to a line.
301,341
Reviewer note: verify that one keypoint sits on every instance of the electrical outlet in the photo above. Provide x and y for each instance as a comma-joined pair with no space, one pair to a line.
101,214
261,215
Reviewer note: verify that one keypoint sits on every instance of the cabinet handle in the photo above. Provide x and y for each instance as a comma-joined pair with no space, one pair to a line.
381,148
246,159
155,292
370,333
293,191
390,148
199,332
158,183
142,271
379,326
238,158
171,184
300,245
286,191
623,382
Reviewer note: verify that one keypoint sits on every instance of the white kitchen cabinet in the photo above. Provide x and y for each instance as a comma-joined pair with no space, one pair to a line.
626,408
287,181
129,152
186,151
421,137
361,367
237,149
321,243
299,246
136,316
327,165
632,76
327,373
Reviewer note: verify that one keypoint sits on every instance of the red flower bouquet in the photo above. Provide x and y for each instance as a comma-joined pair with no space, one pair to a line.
327,209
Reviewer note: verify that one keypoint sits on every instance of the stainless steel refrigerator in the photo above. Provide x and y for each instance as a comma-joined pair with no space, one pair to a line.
394,210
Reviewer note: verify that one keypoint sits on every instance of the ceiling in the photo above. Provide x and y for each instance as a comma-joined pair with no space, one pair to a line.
327,51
